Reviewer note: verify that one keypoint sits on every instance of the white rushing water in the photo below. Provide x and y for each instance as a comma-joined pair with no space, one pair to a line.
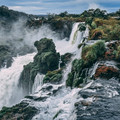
61,104
59,100
9,78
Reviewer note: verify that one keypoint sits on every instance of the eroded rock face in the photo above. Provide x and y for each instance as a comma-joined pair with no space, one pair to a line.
106,72
100,101
47,59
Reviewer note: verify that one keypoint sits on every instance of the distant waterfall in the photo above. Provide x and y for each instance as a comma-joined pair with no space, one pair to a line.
9,79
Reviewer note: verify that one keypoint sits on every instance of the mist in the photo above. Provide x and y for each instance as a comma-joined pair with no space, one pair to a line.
20,38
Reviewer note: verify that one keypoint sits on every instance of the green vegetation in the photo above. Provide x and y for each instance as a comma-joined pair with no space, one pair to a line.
75,77
91,53
104,29
53,76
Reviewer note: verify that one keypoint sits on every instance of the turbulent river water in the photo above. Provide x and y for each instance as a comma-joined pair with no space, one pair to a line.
56,101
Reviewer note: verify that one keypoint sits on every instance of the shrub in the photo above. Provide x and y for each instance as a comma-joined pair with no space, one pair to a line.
92,52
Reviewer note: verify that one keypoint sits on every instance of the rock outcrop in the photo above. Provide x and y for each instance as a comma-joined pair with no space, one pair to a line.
47,59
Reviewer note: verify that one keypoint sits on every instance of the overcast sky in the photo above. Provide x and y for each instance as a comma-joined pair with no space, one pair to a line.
57,6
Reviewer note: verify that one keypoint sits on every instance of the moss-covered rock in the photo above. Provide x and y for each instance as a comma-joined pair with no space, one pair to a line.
45,45
21,111
45,60
75,77
53,76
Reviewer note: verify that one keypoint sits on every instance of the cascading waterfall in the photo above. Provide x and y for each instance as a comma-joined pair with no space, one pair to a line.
9,79
61,104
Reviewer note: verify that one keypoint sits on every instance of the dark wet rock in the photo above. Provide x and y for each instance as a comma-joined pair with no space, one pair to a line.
105,104
48,88
36,98
41,99
56,90
5,56
101,110
45,60
21,111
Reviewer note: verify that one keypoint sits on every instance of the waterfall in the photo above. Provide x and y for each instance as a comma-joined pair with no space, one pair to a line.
37,83
9,78
55,99
60,105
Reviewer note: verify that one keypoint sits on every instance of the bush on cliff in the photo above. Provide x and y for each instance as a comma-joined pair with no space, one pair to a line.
90,53
104,29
